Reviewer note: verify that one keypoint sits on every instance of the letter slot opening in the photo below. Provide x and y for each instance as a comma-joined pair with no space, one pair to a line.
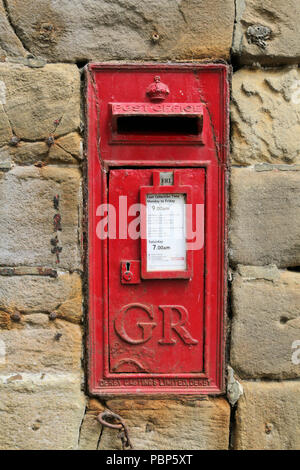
161,125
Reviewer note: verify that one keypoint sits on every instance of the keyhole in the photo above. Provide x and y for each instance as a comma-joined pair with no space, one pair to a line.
127,266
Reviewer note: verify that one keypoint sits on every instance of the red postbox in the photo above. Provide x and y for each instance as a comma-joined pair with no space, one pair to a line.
157,156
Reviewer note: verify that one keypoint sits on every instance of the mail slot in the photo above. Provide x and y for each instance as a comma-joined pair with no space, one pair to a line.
157,159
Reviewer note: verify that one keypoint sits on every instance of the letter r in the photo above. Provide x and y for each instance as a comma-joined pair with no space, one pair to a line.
179,327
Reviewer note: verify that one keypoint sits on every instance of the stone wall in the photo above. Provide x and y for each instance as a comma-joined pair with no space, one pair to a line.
43,48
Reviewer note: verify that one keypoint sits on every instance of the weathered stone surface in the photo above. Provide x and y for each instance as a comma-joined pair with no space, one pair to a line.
266,322
27,216
5,127
40,411
90,430
10,44
251,273
124,29
66,149
70,144
35,98
41,345
234,387
268,416
265,114
279,19
29,61
5,159
279,167
265,217
34,294
171,424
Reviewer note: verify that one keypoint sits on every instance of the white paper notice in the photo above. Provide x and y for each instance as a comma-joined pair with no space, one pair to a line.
166,227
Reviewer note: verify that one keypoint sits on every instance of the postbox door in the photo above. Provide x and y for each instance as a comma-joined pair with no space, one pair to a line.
155,326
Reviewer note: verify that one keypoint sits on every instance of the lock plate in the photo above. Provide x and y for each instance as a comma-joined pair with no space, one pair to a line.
130,272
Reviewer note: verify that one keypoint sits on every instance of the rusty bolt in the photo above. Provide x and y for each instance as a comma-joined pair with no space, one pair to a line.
14,141
54,241
56,202
16,317
50,140
57,222
52,316
57,336
57,122
47,26
40,164
155,37
35,427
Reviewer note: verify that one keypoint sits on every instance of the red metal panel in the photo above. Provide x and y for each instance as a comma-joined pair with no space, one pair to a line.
154,336
142,341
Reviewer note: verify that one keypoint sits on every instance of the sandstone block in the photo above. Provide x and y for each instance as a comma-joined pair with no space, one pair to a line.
268,416
66,149
266,323
265,114
267,31
40,411
171,424
124,29
35,98
10,44
90,430
41,345
265,217
28,232
34,294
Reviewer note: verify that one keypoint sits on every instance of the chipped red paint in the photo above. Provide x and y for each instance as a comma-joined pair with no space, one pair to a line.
157,336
